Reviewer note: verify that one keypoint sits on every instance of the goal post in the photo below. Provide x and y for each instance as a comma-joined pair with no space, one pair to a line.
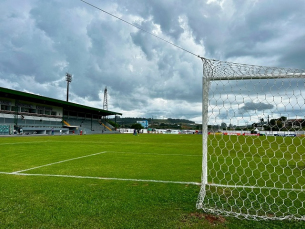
253,147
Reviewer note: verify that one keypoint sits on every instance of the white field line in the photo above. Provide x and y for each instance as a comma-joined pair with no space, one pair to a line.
19,143
154,181
255,187
103,178
111,143
159,154
58,162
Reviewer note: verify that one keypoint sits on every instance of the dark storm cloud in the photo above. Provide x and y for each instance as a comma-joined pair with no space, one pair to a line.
254,29
164,13
146,43
25,50
168,19
294,53
256,106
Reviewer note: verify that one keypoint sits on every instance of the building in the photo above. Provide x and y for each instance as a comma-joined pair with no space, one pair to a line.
25,113
144,123
294,123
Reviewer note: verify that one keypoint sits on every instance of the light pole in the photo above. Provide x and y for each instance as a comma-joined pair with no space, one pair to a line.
69,80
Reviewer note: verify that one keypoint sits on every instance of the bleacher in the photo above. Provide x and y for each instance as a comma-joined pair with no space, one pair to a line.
4,129
45,125
89,126
32,124
29,113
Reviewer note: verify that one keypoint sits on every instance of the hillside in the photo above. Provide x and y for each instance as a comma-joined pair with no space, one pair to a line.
157,123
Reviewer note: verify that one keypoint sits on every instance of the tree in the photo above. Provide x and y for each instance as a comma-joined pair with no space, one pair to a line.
137,126
279,123
223,126
276,124
112,123
266,127
230,126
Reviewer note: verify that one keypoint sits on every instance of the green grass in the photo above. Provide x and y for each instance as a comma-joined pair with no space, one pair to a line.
86,201
274,162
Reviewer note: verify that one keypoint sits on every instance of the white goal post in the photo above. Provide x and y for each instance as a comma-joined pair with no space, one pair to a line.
253,141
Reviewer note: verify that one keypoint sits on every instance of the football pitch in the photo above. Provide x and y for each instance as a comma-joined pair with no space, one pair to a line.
107,181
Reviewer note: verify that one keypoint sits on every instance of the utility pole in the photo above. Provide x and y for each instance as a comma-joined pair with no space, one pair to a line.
69,80
105,104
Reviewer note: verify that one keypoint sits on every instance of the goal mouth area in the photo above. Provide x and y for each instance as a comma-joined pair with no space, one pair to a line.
253,128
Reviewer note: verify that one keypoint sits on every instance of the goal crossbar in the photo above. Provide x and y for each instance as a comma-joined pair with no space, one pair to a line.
292,76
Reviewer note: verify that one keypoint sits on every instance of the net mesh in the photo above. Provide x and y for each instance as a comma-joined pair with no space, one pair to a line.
253,141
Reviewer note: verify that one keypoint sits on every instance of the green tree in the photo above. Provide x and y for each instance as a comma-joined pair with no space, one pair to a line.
137,126
272,122
279,123
112,123
276,124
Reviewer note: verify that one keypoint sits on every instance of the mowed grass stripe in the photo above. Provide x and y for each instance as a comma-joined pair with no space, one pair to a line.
257,161
16,157
20,143
130,166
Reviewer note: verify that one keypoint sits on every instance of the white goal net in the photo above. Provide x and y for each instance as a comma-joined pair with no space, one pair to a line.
253,141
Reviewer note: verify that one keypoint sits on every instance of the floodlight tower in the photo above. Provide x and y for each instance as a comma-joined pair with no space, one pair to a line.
105,104
69,80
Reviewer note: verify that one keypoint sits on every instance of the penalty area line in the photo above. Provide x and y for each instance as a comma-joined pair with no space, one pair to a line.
58,162
105,178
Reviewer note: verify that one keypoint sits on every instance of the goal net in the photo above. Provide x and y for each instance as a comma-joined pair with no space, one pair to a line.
253,162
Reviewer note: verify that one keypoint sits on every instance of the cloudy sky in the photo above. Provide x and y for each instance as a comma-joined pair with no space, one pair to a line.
41,40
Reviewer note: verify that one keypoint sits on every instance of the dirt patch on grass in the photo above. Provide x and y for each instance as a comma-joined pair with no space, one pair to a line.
210,220
215,219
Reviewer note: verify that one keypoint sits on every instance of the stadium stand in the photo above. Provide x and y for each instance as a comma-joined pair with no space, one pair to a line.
25,113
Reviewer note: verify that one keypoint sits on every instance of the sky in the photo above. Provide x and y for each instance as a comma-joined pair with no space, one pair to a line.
145,76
